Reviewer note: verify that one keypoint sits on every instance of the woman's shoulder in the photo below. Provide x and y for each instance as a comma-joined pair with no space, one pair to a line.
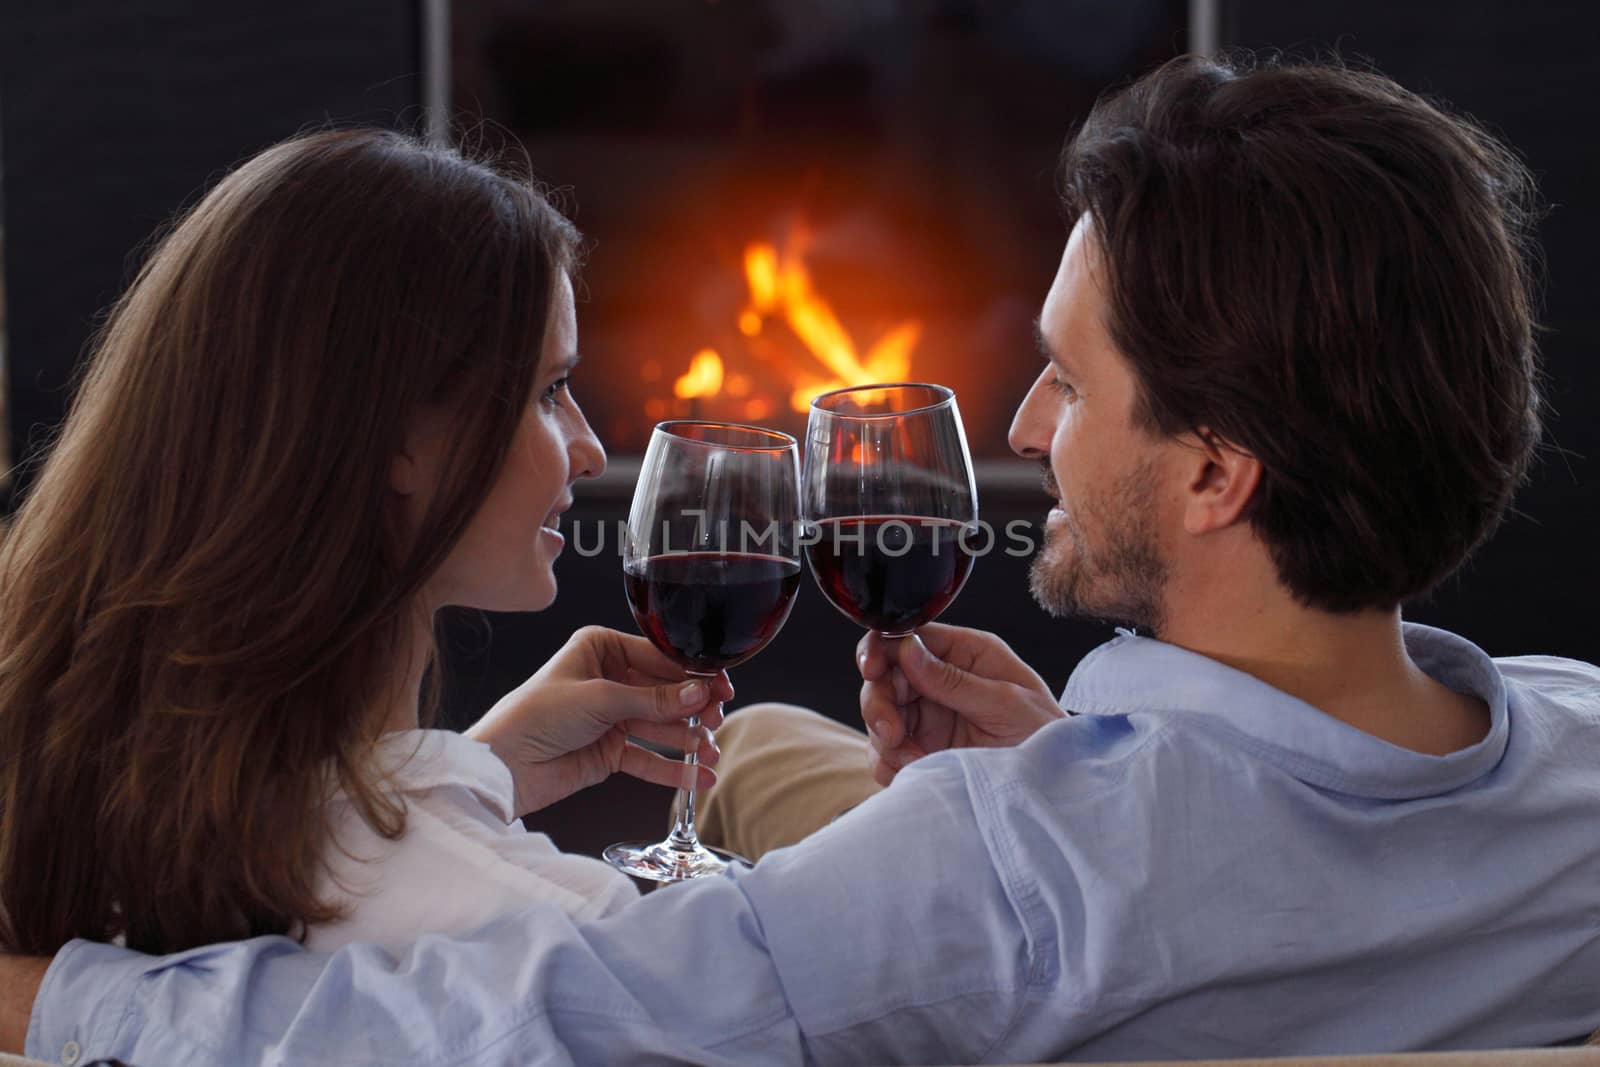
462,858
414,763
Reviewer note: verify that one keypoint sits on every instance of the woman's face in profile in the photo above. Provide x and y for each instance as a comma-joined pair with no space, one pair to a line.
505,560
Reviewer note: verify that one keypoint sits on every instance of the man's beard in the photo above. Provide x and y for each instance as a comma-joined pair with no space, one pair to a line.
1120,581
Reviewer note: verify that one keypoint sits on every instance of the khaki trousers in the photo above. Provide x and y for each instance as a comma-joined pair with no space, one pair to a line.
785,772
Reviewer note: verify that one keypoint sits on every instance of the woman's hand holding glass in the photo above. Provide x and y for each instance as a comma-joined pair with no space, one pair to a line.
570,725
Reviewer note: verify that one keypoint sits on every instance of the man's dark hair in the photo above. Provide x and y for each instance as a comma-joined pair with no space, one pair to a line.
1334,275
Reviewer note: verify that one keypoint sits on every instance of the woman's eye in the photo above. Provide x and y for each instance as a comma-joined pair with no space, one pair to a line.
556,388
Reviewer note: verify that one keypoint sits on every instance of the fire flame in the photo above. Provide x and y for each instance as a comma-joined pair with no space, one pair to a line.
780,288
704,377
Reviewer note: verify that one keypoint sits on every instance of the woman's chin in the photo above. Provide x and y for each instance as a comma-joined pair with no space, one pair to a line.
545,598
534,593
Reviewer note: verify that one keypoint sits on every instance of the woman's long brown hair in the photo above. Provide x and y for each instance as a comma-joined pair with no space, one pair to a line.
203,596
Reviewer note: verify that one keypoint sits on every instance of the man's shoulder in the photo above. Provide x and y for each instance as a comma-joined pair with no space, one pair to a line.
1064,768
1070,761
1570,683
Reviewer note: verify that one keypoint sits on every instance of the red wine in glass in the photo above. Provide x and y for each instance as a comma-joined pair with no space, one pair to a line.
888,493
711,610
890,573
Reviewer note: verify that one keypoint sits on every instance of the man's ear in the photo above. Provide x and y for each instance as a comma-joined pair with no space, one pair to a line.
1223,478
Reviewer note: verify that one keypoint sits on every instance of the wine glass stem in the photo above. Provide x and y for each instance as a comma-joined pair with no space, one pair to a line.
683,836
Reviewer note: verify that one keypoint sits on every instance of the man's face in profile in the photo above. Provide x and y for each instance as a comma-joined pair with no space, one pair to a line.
1102,556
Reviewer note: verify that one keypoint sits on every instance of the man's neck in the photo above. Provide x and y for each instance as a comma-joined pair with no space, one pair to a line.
1353,667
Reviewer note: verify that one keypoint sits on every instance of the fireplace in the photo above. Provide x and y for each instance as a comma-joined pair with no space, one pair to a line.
784,198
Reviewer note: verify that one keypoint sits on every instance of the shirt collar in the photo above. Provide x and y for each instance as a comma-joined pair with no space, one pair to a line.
1133,674
413,761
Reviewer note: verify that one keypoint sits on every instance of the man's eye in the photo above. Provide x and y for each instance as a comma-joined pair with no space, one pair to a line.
1062,387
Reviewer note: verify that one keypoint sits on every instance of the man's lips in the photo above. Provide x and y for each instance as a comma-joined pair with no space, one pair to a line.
1053,490
1050,486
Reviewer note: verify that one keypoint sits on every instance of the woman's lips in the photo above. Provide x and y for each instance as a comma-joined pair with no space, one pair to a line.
551,526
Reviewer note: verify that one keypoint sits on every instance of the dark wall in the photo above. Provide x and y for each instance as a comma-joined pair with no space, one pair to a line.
115,114
1529,72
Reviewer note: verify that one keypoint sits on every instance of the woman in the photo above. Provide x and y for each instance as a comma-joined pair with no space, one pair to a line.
333,401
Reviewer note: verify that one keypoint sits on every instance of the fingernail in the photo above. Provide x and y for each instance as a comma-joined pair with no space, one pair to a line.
691,694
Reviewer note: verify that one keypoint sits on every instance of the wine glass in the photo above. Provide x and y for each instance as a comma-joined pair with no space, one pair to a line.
889,503
711,563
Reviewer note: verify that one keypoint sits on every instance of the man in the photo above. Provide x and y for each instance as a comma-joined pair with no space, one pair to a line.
1289,383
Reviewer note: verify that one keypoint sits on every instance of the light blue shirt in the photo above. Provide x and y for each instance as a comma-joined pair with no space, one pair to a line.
1198,865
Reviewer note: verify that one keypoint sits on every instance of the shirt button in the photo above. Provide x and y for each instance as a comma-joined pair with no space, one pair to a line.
70,1053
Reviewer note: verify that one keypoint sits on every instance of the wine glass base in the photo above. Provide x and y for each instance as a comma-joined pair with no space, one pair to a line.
662,861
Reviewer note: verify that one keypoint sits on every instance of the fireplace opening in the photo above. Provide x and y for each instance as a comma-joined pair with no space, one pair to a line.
781,195
785,198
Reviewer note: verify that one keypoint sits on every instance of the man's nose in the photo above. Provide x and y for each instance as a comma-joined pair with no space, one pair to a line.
1029,436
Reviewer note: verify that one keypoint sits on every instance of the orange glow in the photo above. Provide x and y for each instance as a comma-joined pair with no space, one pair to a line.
890,359
655,408
784,287
704,377
761,271
781,288
801,398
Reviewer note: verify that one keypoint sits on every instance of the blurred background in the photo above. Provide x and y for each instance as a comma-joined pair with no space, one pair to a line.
898,154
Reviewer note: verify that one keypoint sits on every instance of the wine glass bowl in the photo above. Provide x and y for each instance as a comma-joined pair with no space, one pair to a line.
889,501
711,564
711,610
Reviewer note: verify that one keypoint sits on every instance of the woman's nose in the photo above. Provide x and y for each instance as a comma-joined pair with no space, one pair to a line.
588,455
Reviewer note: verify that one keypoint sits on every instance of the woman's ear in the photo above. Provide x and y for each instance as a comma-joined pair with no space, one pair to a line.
405,477
414,465
1224,479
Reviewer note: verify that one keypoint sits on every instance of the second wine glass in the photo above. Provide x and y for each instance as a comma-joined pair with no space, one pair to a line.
711,563
889,496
